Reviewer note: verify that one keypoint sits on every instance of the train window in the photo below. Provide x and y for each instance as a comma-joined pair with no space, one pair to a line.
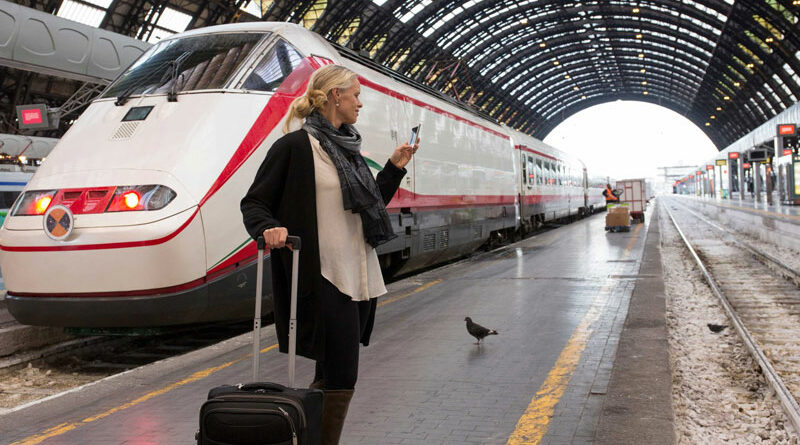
539,173
530,170
198,62
524,170
276,65
548,171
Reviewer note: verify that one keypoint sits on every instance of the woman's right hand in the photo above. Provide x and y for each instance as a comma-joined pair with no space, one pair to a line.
276,237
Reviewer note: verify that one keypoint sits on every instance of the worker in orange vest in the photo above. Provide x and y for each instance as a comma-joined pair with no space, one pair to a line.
610,196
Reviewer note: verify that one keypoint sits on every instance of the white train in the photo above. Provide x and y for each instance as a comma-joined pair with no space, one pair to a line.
134,219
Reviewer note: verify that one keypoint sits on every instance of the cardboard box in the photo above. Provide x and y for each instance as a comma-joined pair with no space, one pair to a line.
618,216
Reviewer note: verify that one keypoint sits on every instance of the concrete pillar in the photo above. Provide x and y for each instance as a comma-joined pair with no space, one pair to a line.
755,167
740,166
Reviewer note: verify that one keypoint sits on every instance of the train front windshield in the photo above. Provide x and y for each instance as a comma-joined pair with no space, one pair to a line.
200,62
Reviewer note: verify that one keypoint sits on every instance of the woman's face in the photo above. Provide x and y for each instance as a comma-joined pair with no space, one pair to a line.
349,104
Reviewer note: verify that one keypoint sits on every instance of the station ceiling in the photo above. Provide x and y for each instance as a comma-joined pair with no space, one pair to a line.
727,65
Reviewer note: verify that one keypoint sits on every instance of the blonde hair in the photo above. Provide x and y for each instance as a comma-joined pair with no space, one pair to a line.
319,86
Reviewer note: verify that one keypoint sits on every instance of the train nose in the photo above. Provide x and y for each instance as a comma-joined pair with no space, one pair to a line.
119,248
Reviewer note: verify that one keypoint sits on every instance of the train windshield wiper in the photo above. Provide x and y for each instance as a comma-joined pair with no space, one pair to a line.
171,75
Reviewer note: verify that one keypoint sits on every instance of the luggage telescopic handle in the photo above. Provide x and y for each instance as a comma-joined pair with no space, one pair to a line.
294,241
296,244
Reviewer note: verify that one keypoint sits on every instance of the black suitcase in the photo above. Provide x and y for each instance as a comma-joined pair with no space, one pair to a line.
262,412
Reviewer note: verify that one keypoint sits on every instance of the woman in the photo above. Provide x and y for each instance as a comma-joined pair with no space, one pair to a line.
314,183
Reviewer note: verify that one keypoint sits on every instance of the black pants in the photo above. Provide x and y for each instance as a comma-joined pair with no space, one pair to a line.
345,321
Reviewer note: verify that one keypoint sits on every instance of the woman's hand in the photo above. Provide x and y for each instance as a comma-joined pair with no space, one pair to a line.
402,154
276,237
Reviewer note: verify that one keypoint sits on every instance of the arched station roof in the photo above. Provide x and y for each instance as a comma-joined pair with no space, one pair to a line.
727,65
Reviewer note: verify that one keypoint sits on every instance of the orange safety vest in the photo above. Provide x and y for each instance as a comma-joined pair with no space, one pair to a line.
610,195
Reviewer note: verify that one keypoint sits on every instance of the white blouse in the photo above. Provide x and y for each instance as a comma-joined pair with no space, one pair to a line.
346,259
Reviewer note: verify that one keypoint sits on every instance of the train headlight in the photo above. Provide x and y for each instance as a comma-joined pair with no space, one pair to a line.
140,197
33,202
131,200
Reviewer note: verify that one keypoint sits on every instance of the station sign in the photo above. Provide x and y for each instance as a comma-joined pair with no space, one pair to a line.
746,165
699,172
709,167
733,155
787,151
691,176
786,129
721,162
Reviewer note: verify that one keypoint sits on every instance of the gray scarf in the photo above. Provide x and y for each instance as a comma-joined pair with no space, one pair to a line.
360,192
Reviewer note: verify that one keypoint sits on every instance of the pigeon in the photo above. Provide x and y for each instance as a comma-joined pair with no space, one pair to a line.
477,330
715,327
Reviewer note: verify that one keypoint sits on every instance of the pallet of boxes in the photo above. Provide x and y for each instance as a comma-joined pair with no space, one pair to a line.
618,218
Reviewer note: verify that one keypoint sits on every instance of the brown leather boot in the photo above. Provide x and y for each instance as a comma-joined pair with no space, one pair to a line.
334,410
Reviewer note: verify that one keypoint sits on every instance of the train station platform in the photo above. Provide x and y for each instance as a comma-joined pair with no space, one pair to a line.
559,300
776,223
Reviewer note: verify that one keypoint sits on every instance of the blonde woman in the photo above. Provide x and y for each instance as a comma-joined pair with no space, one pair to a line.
314,183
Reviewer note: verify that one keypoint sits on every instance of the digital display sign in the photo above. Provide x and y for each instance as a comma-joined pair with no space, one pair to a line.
709,167
721,162
34,117
733,155
786,129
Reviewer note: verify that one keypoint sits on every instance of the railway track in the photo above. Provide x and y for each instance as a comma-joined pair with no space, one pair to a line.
759,293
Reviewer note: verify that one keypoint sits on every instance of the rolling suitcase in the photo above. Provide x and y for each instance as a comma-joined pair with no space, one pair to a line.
264,413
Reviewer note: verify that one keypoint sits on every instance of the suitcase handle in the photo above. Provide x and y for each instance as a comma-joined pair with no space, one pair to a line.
266,386
295,242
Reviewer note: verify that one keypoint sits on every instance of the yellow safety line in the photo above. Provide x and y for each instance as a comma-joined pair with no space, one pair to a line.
67,426
533,423
633,238
401,296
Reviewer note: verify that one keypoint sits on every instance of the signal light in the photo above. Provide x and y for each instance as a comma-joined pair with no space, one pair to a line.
131,200
140,197
34,202
42,204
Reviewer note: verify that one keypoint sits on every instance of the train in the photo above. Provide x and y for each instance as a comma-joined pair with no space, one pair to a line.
134,219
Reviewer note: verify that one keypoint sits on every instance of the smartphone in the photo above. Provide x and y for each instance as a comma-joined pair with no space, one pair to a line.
415,134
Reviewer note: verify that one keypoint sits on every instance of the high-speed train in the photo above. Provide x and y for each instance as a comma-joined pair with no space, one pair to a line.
134,219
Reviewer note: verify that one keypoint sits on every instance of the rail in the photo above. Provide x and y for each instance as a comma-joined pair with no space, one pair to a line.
788,402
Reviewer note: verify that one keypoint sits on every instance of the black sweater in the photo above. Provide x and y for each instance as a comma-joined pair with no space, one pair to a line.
283,195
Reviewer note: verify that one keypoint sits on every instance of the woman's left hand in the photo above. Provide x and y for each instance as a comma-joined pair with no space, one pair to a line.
402,154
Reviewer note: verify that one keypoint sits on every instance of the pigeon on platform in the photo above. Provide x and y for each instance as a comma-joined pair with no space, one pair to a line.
477,330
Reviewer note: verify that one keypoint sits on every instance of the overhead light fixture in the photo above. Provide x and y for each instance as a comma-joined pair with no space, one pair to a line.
645,93
638,36
713,117
641,55
523,22
727,98
769,40
708,124
542,45
567,76
750,65
575,88
642,70
555,62
719,108
635,10
583,96
644,82
736,84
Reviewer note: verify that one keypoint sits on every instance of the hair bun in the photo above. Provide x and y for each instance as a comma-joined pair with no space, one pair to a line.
317,98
